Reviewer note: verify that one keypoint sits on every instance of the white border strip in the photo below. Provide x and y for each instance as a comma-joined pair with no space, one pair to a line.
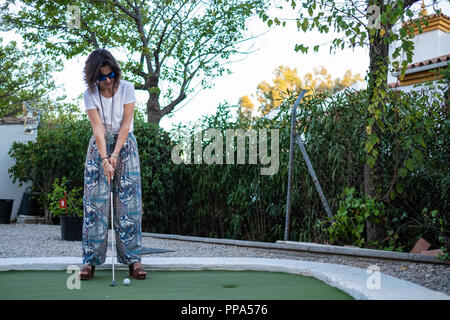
307,247
351,280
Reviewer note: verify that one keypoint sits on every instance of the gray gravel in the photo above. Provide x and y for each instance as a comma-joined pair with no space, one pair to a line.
32,240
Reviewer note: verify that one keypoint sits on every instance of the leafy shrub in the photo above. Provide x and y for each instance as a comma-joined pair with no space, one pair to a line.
157,180
59,150
352,217
74,198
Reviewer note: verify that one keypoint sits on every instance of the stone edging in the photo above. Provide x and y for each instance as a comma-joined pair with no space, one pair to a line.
308,247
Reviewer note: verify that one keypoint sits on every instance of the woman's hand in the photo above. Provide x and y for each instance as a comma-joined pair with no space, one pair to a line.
113,160
108,169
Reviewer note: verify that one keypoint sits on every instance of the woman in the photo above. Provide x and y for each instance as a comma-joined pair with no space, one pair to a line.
112,161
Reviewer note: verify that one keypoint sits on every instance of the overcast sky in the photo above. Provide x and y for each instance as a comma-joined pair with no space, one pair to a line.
274,48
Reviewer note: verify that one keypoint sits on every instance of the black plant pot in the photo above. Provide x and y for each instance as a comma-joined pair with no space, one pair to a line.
5,210
28,205
71,228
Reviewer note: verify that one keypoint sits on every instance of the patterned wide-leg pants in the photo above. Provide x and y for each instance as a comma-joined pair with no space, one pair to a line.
127,201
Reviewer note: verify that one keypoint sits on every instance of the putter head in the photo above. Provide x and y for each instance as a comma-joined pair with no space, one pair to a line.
113,284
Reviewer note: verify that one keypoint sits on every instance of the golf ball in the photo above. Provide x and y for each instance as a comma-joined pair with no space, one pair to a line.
126,281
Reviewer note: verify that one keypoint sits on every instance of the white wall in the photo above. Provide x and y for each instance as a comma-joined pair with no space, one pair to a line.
8,190
431,44
427,45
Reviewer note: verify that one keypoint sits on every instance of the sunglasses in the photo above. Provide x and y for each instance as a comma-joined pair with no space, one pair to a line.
110,75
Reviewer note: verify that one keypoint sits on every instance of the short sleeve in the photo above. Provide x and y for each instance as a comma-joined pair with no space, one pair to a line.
88,101
129,94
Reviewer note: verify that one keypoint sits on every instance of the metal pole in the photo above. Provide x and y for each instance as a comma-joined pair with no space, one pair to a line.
314,177
291,164
113,234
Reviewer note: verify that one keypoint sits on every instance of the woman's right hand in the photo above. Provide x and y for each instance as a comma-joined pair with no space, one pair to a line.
109,170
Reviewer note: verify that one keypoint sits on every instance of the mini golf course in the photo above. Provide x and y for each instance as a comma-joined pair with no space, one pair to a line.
168,285
204,278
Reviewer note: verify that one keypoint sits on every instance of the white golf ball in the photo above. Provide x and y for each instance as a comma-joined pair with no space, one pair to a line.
126,282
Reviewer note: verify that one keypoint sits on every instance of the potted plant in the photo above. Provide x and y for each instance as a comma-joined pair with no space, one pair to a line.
68,206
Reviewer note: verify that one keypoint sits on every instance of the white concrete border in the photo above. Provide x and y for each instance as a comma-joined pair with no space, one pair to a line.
351,280
307,247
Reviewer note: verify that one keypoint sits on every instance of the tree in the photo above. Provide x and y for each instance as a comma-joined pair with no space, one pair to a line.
171,40
25,77
270,96
364,23
245,108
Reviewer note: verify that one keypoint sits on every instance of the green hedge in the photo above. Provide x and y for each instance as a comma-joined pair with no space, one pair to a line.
236,201
411,181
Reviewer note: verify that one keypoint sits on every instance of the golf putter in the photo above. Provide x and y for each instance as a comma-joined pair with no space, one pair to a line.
113,283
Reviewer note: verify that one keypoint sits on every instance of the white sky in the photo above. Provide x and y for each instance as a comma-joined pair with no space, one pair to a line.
275,48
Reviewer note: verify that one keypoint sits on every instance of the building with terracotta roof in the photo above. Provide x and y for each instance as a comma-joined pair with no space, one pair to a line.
431,53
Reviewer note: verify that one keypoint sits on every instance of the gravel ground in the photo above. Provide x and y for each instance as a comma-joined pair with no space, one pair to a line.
31,240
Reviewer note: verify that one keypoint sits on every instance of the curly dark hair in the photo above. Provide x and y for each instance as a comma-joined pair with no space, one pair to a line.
97,59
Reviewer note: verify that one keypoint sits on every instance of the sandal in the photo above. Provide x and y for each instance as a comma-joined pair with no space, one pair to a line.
136,271
87,272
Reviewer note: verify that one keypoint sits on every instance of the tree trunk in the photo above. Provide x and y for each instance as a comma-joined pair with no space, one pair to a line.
153,117
379,62
48,215
154,113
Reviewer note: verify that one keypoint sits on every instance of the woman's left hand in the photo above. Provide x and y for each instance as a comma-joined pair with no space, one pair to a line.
113,160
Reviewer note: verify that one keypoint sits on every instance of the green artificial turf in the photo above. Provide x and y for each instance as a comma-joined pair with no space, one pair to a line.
168,285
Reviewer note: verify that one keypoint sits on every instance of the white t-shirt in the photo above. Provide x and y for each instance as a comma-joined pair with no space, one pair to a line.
124,95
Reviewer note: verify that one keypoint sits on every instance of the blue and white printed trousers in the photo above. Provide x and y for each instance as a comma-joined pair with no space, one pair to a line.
127,202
